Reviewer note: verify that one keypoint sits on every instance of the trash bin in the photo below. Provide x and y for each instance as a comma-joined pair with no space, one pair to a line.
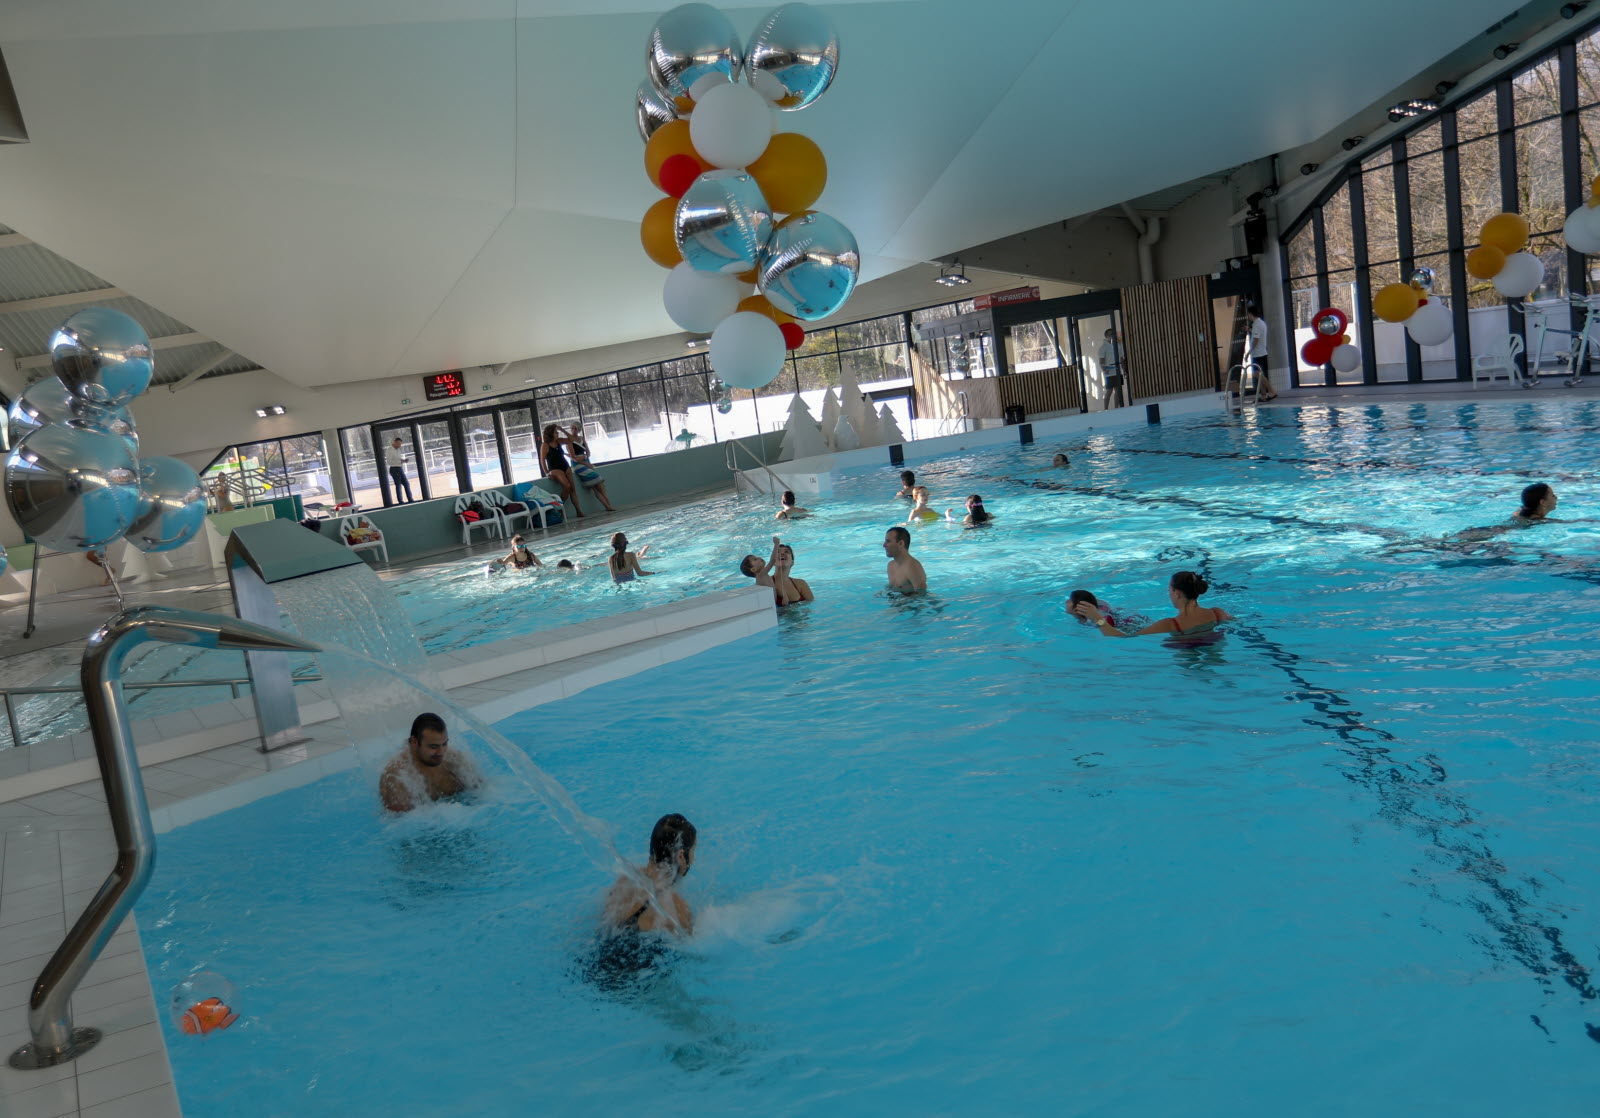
1014,415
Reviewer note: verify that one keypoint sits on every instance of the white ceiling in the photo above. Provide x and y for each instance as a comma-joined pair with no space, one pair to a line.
351,189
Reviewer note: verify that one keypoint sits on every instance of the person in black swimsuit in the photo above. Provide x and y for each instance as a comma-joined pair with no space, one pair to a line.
628,945
556,467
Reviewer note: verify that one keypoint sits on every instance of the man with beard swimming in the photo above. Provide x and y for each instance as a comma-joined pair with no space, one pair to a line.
425,770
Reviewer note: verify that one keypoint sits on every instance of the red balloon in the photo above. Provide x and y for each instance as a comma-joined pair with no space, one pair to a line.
1344,319
678,173
1319,350
794,335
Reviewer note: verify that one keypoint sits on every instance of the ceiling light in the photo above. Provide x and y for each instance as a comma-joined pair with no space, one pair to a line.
1441,88
1352,142
1570,10
270,409
952,274
1416,106
1308,168
1506,50
696,343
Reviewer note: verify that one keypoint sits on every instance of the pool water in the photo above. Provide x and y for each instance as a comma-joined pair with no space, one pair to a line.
959,853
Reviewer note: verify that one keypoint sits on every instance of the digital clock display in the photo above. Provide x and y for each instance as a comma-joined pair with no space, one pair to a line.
442,386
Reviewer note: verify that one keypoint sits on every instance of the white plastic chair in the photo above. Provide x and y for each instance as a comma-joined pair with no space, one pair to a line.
350,524
497,500
494,523
1501,361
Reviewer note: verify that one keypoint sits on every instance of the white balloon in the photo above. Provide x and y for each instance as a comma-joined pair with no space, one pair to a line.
731,125
697,301
1430,324
1583,230
1521,276
705,83
747,350
1346,358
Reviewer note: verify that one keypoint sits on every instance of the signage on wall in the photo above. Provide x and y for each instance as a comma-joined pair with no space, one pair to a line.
442,386
1006,298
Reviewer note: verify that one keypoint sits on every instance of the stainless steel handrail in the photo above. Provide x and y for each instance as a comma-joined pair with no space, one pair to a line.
232,684
55,1040
754,457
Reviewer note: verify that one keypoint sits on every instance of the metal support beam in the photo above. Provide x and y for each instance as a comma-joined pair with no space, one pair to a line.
171,341
70,299
190,378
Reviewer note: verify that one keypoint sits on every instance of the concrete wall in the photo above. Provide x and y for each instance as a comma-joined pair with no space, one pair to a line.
1096,251
1195,235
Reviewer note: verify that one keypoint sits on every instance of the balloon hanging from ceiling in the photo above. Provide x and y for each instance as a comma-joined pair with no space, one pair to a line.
73,478
738,211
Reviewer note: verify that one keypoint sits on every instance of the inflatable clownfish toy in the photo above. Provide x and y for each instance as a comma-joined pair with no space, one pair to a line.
207,1017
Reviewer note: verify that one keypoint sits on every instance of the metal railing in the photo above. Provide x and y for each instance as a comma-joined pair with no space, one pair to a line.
9,695
734,446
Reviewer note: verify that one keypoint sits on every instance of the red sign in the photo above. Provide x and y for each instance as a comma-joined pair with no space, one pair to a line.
442,386
1006,298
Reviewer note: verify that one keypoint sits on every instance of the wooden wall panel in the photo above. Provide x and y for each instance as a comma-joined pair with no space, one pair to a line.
1167,333
1044,390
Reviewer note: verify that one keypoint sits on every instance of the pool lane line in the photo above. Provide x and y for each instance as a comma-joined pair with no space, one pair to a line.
1392,779
1332,464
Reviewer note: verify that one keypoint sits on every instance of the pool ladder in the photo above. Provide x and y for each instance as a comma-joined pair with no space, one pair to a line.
55,1040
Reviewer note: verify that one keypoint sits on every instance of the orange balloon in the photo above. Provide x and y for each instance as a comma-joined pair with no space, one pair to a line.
670,139
759,304
791,173
1485,262
1396,302
656,232
1506,232
1594,185
749,277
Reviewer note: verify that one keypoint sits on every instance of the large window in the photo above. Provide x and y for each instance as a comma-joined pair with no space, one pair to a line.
262,471
1421,200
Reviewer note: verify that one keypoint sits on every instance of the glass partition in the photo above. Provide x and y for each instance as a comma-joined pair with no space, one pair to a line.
439,459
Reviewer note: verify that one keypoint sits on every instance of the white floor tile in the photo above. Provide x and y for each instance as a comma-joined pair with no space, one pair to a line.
118,1080
119,1047
90,999
156,1102
52,1100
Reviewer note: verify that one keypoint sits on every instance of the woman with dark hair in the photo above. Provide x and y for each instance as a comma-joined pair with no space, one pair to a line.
977,516
1538,502
553,460
788,509
648,900
774,574
1193,619
583,469
624,564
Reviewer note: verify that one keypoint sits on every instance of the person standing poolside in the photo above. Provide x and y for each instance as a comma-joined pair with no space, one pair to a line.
1111,369
624,564
905,573
908,483
788,510
520,557
920,511
425,770
556,467
584,470
1193,619
397,472
1255,348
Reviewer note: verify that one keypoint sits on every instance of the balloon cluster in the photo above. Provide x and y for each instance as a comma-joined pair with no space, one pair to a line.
1500,257
1583,224
1426,317
74,478
737,212
1331,345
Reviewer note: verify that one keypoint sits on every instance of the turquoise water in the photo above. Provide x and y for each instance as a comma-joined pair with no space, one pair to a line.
959,853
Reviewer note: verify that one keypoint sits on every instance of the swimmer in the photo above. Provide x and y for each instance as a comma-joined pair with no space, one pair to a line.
426,769
1059,461
1120,619
568,566
905,573
1538,502
789,510
520,557
630,906
1193,620
784,590
908,482
920,511
795,589
977,516
624,564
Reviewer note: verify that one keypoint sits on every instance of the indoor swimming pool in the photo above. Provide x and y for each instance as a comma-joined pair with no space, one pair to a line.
960,853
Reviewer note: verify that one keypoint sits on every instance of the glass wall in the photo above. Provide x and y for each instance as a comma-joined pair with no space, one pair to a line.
271,468
1529,142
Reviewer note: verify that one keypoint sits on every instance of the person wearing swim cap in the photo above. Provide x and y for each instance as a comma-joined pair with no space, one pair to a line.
1193,619
425,770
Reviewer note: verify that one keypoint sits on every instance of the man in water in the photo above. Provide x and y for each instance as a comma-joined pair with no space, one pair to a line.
425,770
908,482
905,573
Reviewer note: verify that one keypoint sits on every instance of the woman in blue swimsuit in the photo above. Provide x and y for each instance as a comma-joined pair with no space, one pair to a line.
624,564
1193,620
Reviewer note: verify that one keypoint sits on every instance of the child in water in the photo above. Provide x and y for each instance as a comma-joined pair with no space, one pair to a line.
920,510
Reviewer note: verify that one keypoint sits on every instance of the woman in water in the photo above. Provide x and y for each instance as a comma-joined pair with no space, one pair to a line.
520,558
649,900
1538,502
789,510
774,574
555,465
977,516
920,511
624,564
1059,461
583,469
1193,620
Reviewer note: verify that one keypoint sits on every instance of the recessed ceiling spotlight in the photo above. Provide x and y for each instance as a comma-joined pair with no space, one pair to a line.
1352,142
1506,50
270,409
953,274
696,343
1441,88
1570,10
1309,168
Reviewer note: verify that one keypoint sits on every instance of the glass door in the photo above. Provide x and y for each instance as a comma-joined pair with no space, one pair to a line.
398,482
481,449
1103,360
522,444
438,471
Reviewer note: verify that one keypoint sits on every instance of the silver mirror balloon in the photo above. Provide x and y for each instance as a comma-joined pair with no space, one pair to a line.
793,56
1423,278
102,356
172,505
48,401
810,265
72,488
5,561
722,222
1328,324
691,42
651,110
